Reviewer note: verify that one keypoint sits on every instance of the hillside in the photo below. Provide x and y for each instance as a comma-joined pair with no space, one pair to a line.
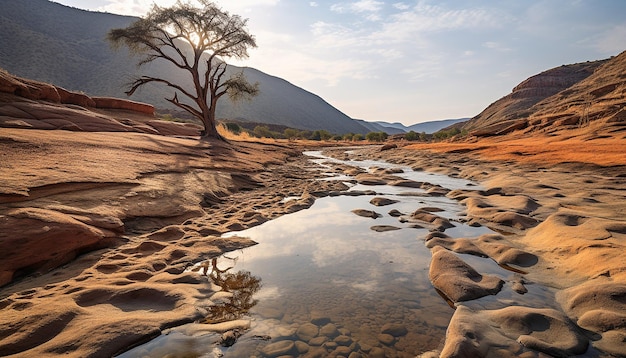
49,42
510,111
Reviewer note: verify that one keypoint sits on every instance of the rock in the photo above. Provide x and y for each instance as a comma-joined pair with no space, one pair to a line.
458,280
43,239
79,99
343,340
406,183
395,213
302,347
366,213
380,201
318,341
307,331
342,351
319,318
278,348
599,306
386,339
118,103
394,329
384,228
329,330
377,352
484,333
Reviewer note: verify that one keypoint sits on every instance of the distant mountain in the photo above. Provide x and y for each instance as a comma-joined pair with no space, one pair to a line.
53,43
381,127
399,128
434,126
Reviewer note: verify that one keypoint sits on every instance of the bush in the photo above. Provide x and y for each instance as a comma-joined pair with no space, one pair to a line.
411,136
233,128
376,136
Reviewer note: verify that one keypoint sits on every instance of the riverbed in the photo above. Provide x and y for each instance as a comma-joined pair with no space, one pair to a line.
326,281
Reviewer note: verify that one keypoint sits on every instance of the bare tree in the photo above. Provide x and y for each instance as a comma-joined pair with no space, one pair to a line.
212,35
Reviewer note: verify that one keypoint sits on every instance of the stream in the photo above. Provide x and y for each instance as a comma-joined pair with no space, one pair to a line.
327,282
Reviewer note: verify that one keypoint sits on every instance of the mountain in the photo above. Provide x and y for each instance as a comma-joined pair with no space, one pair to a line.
564,92
67,47
382,127
434,126
399,128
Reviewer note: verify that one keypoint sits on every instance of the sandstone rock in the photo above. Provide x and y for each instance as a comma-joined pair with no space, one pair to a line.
380,201
366,213
485,333
117,103
79,99
599,306
38,239
458,280
384,228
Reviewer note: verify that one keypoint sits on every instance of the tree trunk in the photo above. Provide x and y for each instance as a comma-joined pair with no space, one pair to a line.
209,122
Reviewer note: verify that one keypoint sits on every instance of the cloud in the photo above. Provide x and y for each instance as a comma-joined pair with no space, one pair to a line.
401,6
357,7
313,4
141,7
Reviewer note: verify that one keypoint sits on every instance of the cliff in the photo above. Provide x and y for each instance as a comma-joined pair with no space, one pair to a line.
569,95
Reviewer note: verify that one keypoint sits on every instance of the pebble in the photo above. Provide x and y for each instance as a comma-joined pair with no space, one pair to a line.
386,339
318,341
343,340
278,349
329,330
394,329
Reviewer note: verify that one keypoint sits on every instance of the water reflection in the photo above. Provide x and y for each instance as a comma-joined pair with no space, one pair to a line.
241,285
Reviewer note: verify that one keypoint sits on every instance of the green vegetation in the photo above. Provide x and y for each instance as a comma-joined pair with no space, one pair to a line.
449,133
376,136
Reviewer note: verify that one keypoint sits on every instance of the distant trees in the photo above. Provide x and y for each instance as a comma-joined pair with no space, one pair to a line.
212,34
376,136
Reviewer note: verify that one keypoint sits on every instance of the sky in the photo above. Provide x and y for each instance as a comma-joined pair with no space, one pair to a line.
414,61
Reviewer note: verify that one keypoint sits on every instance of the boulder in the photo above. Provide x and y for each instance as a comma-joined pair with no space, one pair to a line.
457,280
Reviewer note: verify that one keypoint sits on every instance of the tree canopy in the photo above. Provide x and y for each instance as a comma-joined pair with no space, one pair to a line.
196,41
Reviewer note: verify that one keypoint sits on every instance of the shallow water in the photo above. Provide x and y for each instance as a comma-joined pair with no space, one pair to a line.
323,272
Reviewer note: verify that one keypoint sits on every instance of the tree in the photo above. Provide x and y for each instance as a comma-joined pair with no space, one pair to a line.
376,136
194,40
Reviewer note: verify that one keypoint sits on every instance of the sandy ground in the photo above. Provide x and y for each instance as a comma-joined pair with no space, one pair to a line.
140,208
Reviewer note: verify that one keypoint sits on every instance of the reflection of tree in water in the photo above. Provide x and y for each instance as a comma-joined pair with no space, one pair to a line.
242,284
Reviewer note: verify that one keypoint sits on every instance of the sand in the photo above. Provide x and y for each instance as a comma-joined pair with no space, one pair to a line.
141,208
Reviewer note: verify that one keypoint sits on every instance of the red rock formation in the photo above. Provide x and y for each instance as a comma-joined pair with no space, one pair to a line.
117,103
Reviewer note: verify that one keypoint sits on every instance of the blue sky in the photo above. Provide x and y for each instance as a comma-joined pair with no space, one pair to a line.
414,61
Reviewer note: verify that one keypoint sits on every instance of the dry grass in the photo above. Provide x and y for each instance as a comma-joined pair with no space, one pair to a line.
539,149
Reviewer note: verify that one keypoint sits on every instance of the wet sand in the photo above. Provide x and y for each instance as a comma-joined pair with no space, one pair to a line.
135,228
